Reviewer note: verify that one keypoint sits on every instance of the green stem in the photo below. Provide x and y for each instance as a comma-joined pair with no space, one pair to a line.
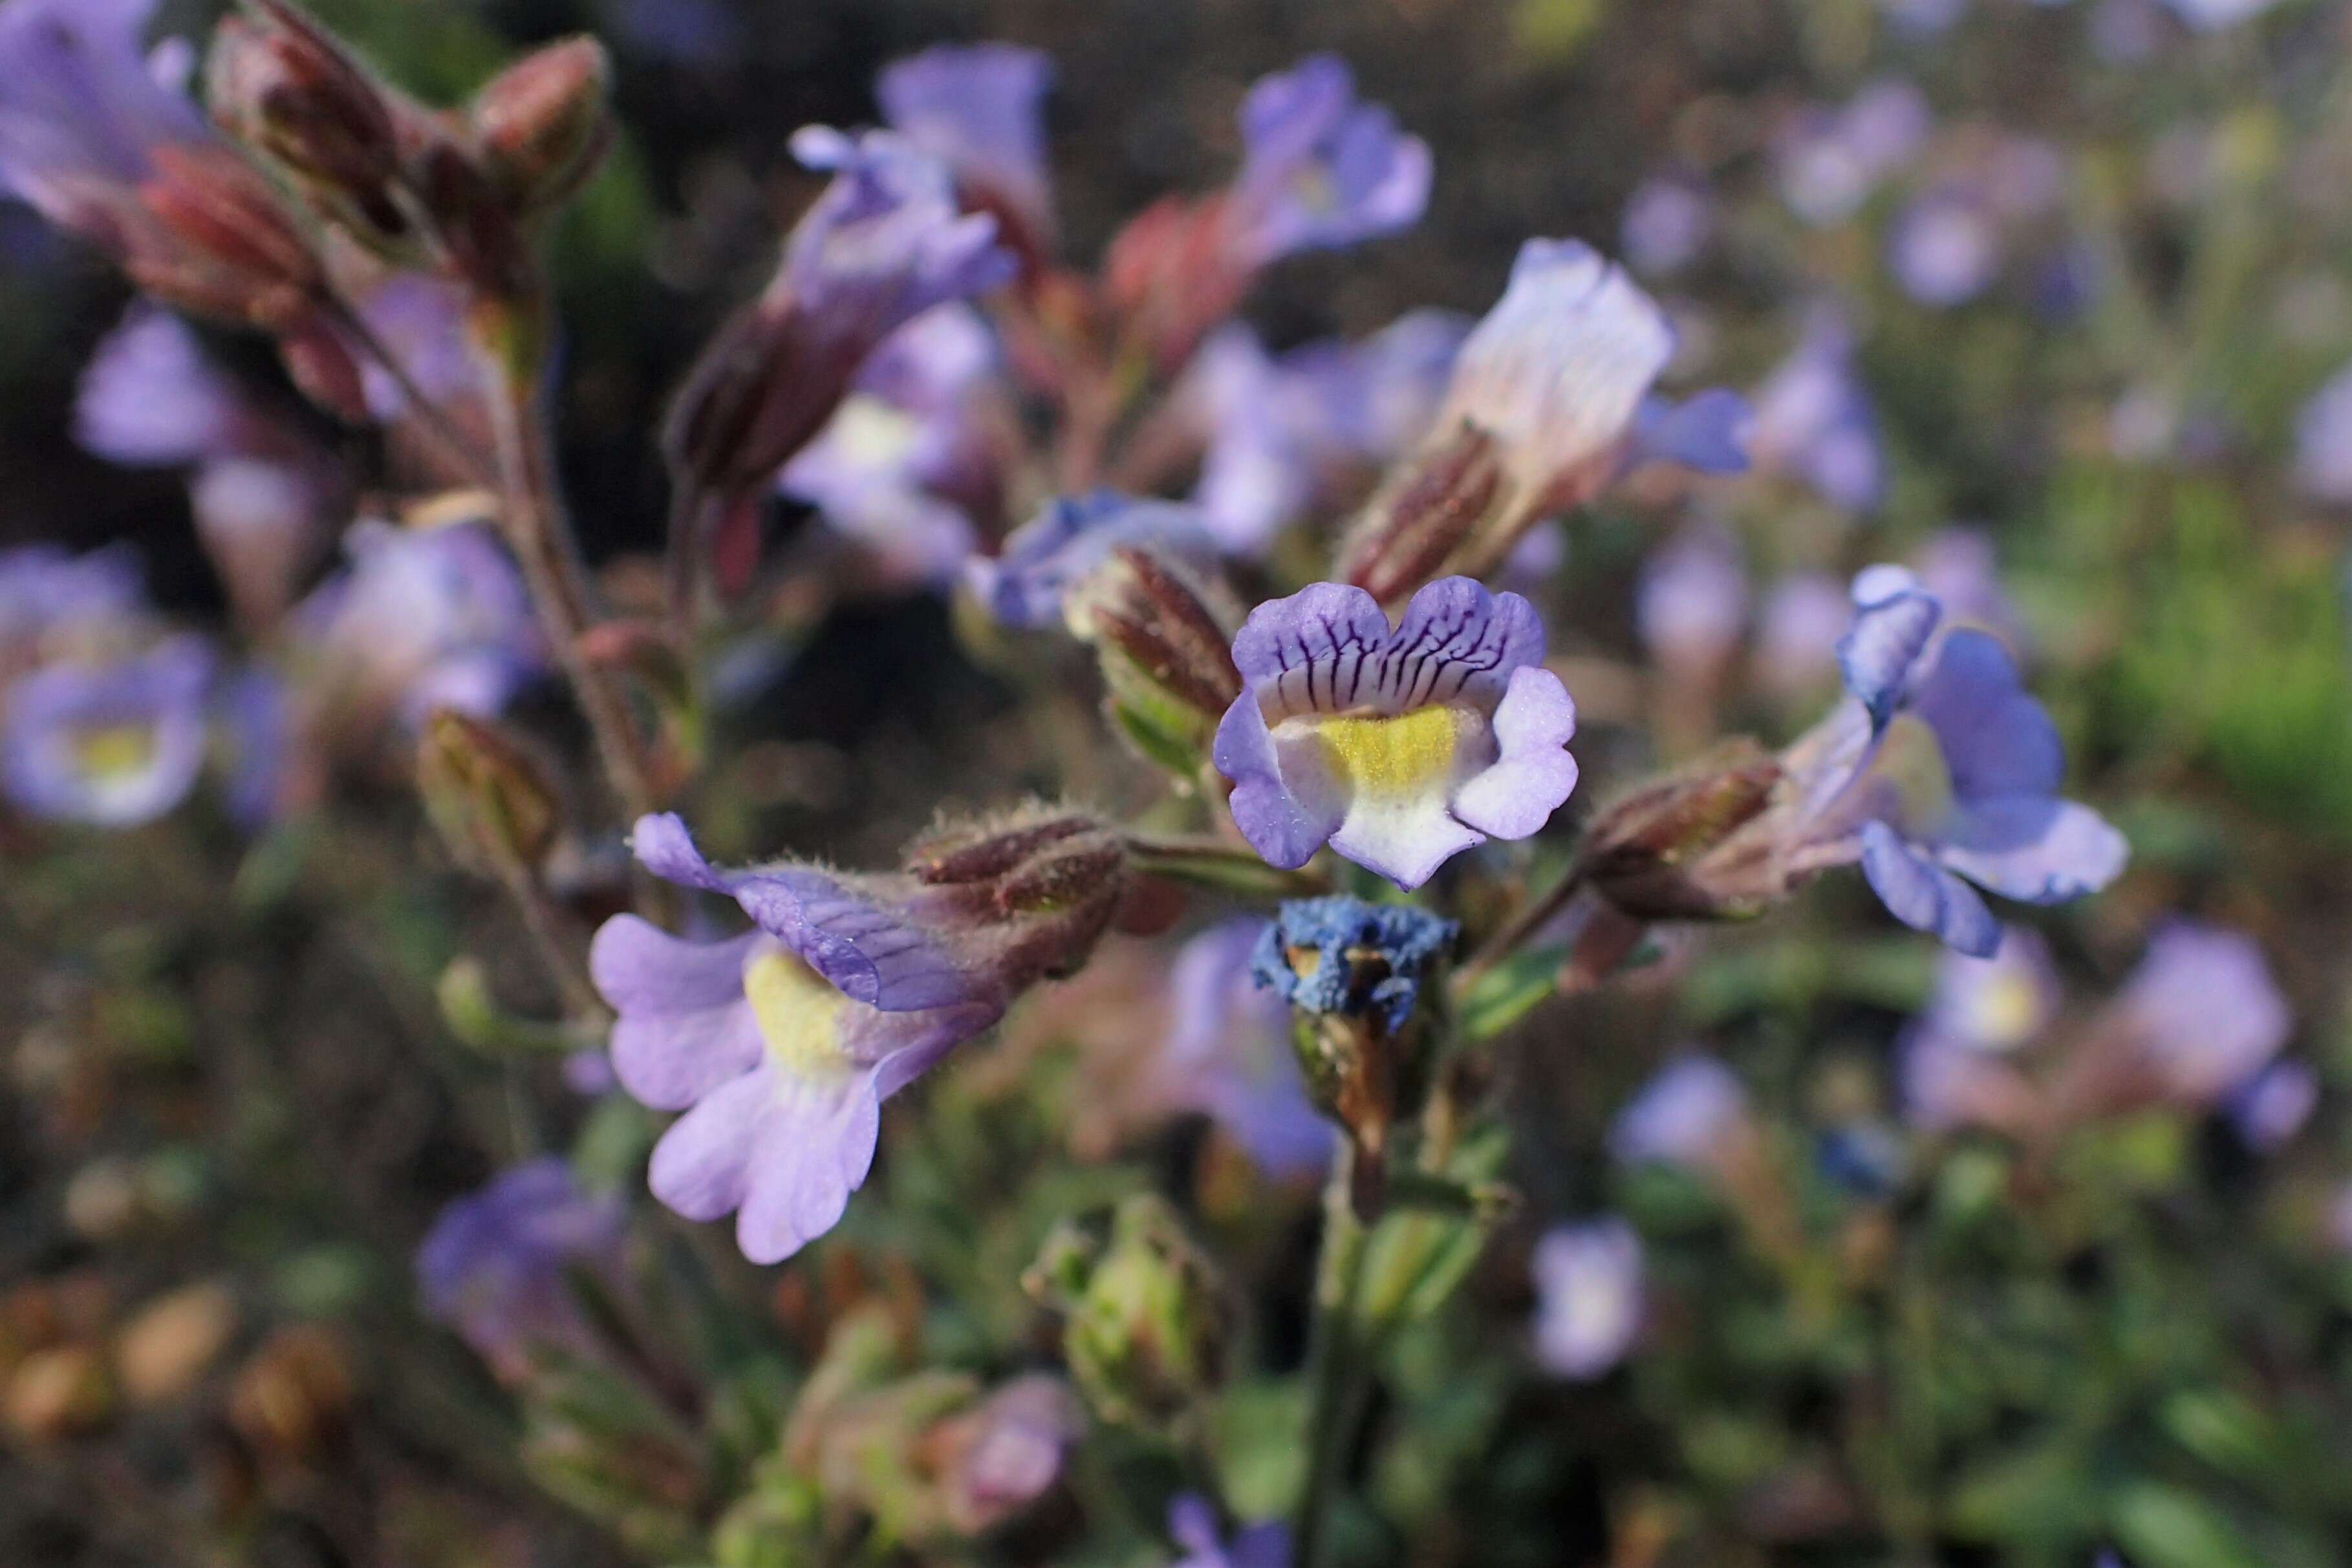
1336,1354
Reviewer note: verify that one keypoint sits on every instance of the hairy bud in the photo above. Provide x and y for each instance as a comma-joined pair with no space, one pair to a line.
1034,891
541,125
225,245
283,85
491,802
1146,1321
1672,850
1424,514
1166,656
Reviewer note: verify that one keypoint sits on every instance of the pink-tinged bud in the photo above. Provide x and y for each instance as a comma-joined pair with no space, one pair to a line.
321,365
283,85
1171,274
225,244
1029,893
488,799
541,125
1675,848
1166,655
1424,514
481,235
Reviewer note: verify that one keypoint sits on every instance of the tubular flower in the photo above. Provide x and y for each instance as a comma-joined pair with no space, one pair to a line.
496,1266
1401,746
781,1044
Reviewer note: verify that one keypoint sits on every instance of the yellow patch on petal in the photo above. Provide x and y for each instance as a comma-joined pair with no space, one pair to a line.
2005,1012
114,751
873,433
799,1015
1408,758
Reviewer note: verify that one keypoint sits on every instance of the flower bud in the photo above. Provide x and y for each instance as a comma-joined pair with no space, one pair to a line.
229,247
1147,1321
1423,514
1672,850
491,802
541,125
1030,891
283,85
1166,656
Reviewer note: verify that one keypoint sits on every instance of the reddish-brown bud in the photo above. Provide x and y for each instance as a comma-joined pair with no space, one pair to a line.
1171,275
1681,848
541,125
1165,650
1035,889
228,244
1424,513
283,85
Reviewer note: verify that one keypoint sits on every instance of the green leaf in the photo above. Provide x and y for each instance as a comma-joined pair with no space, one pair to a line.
1509,992
2166,1527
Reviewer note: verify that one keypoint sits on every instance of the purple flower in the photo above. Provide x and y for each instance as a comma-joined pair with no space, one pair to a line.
2322,441
47,594
1589,1297
979,110
1557,370
1666,224
150,397
1276,431
1192,1525
1343,957
1321,169
420,319
1814,423
1228,1052
496,1267
1959,567
780,1045
1953,1060
1945,249
1830,160
2202,1011
112,745
1940,767
2275,1105
1045,556
886,242
81,111
1690,1114
1692,602
1399,748
904,456
1705,433
254,717
422,619
1009,1450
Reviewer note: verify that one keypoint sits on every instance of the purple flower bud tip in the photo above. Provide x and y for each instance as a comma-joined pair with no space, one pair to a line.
1398,746
1588,1282
1320,169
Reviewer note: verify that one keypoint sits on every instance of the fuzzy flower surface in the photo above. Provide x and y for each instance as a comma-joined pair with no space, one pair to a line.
1344,957
496,1266
779,1045
1321,169
1400,747
1587,1282
111,744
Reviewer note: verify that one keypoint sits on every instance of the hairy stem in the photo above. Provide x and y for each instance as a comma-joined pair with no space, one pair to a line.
539,531
1338,1346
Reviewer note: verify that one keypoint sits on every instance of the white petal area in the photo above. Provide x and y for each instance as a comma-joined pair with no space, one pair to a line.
1404,840
1534,773
815,1151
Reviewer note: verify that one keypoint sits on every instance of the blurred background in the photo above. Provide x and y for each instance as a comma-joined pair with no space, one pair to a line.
2071,279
